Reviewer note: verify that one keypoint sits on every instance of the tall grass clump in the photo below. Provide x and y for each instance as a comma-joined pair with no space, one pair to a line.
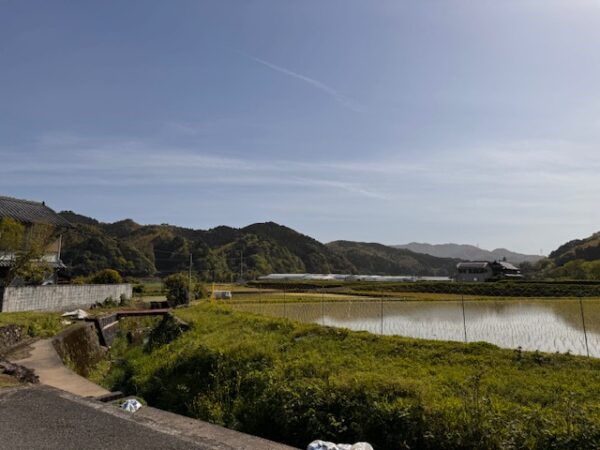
36,324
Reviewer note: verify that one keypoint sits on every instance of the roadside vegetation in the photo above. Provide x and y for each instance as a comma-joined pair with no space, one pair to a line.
36,324
295,382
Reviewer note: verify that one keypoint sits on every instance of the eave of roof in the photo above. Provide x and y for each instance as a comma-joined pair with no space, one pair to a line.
30,212
473,264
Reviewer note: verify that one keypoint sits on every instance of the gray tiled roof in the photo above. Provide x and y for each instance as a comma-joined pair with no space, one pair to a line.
27,211
507,265
7,259
473,264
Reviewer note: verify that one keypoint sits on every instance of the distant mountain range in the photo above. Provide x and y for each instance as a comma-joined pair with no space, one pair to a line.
225,252
378,259
468,252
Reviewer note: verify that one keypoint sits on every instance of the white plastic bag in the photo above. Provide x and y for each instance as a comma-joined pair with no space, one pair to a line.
325,445
78,314
322,445
362,446
131,405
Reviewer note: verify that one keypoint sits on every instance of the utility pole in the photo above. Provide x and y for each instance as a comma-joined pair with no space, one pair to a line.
190,281
241,265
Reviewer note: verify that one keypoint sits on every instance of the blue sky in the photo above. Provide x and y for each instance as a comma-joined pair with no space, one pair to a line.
388,121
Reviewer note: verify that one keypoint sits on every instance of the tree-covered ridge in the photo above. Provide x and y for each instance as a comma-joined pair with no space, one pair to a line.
577,259
223,253
587,249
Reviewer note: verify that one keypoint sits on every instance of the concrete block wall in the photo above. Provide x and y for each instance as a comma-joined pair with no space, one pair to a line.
60,297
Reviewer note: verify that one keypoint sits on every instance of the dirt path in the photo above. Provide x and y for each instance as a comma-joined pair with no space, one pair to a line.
48,366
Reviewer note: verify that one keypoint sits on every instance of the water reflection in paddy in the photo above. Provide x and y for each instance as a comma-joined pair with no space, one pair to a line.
545,325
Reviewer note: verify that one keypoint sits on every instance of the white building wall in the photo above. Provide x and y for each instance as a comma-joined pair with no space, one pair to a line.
60,297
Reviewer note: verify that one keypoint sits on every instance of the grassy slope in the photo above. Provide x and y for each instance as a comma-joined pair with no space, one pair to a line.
293,383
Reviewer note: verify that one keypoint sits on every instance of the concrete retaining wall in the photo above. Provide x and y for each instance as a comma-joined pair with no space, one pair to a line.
61,297
79,347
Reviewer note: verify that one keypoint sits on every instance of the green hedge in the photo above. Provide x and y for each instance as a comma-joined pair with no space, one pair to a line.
497,289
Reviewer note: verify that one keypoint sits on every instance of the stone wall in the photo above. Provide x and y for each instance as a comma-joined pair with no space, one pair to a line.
79,347
11,335
60,297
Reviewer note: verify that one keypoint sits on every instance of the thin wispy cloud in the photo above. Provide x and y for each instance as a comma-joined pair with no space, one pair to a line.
61,162
333,93
510,184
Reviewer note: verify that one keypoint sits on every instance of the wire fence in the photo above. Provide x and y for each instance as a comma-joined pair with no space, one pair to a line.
551,325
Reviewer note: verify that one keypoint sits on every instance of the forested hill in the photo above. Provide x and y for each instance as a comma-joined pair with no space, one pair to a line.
380,259
258,249
578,259
587,249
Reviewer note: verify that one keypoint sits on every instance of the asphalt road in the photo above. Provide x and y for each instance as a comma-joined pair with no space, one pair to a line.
42,417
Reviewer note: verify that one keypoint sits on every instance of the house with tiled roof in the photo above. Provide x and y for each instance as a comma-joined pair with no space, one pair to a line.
29,214
486,271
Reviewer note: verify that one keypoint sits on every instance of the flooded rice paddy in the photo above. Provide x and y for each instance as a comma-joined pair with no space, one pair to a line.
549,325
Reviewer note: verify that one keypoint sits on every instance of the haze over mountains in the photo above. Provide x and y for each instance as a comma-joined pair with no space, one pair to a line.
468,252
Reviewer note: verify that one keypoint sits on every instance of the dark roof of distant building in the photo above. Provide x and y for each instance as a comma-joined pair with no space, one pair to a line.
8,259
483,264
27,211
473,264
506,265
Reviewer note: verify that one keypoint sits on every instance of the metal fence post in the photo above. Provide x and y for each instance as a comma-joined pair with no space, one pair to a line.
464,318
322,308
381,314
587,348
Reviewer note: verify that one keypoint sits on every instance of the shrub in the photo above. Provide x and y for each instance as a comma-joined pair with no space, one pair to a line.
138,289
293,383
124,300
109,302
177,286
106,276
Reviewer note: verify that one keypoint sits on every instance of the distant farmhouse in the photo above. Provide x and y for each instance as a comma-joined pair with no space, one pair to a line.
31,238
29,214
486,271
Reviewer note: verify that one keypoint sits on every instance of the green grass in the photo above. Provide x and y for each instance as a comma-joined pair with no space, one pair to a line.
37,324
295,382
152,288
299,297
312,296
